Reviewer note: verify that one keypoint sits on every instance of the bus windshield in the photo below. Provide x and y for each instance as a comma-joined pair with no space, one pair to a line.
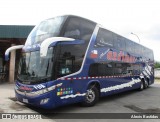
33,68
46,29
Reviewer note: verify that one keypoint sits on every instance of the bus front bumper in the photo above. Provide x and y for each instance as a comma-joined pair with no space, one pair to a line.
45,100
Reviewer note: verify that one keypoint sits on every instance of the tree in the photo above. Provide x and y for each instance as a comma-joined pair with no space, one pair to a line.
157,65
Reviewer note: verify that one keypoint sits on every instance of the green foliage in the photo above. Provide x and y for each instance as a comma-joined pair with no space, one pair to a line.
157,65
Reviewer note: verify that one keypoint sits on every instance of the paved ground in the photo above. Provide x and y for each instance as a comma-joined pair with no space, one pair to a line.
147,101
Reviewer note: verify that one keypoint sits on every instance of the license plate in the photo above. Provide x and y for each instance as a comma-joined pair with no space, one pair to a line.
25,100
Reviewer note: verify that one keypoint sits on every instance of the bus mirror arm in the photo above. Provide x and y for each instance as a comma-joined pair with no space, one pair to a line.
46,43
10,49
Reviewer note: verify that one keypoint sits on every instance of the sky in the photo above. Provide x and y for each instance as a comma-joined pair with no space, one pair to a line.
141,17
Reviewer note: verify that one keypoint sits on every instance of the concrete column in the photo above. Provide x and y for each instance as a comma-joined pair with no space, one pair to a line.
12,66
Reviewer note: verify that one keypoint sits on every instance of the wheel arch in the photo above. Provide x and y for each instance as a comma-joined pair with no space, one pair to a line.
95,83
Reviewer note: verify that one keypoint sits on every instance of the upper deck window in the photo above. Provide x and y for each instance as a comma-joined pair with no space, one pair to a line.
78,28
104,38
130,46
63,26
119,42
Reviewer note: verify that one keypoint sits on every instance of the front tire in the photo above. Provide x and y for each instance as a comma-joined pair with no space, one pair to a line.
142,85
146,84
91,97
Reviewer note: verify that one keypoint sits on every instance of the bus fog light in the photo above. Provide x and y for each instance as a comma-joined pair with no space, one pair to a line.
44,101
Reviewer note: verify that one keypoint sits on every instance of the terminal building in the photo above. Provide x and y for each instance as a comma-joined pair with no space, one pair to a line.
11,35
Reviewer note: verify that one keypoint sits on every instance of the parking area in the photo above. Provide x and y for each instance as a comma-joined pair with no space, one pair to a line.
146,101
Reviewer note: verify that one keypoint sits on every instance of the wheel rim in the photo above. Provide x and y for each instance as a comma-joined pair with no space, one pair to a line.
90,96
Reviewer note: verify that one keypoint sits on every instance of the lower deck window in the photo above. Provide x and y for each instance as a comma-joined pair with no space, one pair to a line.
114,69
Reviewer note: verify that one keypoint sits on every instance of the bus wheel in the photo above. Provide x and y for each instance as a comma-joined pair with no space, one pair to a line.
142,85
91,97
146,84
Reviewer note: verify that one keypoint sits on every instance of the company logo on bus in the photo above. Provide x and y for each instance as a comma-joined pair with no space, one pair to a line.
121,56
25,88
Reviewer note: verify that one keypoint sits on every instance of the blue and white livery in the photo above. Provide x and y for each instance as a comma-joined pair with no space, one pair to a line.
70,59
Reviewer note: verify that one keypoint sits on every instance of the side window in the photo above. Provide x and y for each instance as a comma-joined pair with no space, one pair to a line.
100,69
93,70
104,38
128,69
69,60
116,69
123,69
138,49
136,69
109,69
129,46
151,56
146,52
119,42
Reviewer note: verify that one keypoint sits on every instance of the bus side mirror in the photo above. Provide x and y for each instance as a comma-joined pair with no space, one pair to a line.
10,49
46,43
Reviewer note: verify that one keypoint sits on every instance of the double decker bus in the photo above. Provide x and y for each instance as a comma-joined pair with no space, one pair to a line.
69,59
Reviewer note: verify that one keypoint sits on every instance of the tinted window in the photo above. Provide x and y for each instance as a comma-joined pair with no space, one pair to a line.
129,46
100,69
137,69
151,57
78,28
93,70
147,53
104,38
116,69
144,51
119,42
69,60
138,49
128,69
